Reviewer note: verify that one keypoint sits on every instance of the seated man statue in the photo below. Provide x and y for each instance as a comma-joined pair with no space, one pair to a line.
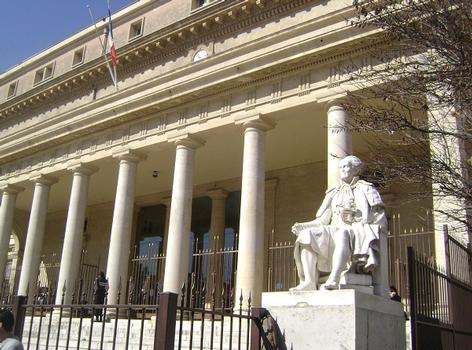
345,233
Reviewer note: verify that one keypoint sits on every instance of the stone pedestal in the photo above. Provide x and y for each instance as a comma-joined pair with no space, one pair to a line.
361,283
333,320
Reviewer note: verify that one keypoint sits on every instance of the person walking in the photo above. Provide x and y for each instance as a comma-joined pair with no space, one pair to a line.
100,291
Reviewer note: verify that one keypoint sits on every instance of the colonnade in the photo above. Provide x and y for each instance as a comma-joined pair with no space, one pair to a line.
251,229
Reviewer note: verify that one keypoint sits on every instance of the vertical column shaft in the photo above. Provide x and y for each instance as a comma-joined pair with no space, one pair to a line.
217,223
166,201
120,237
447,153
249,279
339,141
72,248
35,236
7,210
177,253
217,236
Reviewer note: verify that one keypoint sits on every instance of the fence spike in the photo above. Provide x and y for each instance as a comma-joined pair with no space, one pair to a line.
231,299
63,292
213,290
119,291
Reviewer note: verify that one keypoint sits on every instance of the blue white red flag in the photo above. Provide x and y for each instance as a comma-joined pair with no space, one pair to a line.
109,43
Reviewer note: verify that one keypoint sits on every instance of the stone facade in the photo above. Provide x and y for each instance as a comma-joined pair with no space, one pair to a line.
272,76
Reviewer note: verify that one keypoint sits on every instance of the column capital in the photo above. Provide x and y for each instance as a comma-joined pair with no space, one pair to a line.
43,179
258,121
79,167
129,155
336,104
184,138
217,193
166,201
13,189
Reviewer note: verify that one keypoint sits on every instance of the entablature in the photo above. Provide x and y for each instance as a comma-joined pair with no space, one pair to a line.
198,26
308,58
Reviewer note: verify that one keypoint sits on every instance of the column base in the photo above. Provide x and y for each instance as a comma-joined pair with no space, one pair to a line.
340,319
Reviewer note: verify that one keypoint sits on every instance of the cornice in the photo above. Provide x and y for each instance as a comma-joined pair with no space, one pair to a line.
202,26
221,89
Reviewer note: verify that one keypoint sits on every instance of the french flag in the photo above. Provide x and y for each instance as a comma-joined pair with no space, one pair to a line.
109,40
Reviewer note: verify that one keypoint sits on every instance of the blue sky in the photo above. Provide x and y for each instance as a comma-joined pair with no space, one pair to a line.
28,27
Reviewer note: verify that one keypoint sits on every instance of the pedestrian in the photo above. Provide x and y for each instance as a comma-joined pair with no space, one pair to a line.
100,291
7,340
394,294
396,297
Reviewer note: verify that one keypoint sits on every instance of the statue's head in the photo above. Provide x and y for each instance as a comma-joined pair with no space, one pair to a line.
350,167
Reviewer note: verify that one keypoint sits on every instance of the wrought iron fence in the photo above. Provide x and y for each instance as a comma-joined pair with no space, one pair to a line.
6,293
146,277
46,286
399,239
440,308
168,324
281,272
147,270
458,259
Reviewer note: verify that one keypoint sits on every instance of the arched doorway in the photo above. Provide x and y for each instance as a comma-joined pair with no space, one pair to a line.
11,274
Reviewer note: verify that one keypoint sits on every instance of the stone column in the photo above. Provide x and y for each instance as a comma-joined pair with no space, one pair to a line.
177,253
72,248
35,235
217,236
166,202
217,223
450,151
120,237
269,224
250,268
7,210
339,140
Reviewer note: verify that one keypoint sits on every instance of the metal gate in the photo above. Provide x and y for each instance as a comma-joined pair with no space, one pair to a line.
440,307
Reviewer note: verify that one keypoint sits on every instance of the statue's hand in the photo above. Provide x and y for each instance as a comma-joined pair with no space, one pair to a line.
296,228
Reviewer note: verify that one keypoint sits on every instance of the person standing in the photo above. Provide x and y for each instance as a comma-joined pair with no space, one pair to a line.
7,340
100,291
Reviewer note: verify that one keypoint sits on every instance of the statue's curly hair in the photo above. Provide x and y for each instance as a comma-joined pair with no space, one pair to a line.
354,161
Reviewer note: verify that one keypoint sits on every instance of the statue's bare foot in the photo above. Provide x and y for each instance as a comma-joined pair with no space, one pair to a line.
370,265
304,286
330,285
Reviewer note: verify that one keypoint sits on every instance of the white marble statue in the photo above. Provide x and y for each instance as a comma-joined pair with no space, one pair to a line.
345,233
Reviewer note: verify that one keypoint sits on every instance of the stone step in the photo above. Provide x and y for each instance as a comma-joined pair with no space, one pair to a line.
138,329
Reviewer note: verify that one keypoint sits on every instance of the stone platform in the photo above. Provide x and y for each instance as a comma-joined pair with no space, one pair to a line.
334,320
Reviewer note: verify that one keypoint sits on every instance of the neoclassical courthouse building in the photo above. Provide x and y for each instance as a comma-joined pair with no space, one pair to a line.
217,136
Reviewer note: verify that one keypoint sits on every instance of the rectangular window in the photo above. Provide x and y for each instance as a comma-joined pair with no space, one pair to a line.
44,73
201,3
79,56
136,29
12,89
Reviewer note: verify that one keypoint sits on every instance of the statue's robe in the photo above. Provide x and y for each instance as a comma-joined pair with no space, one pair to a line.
369,221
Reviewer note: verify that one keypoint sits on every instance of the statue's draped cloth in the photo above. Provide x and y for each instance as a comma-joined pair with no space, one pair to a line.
368,221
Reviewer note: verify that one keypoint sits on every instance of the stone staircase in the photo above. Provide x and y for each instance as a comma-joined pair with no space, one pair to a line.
72,334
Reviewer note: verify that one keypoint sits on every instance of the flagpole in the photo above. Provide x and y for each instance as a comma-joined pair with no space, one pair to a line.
111,33
103,48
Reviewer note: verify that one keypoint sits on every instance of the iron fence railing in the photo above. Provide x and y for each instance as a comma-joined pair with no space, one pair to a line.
440,308
281,272
458,259
193,322
147,270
